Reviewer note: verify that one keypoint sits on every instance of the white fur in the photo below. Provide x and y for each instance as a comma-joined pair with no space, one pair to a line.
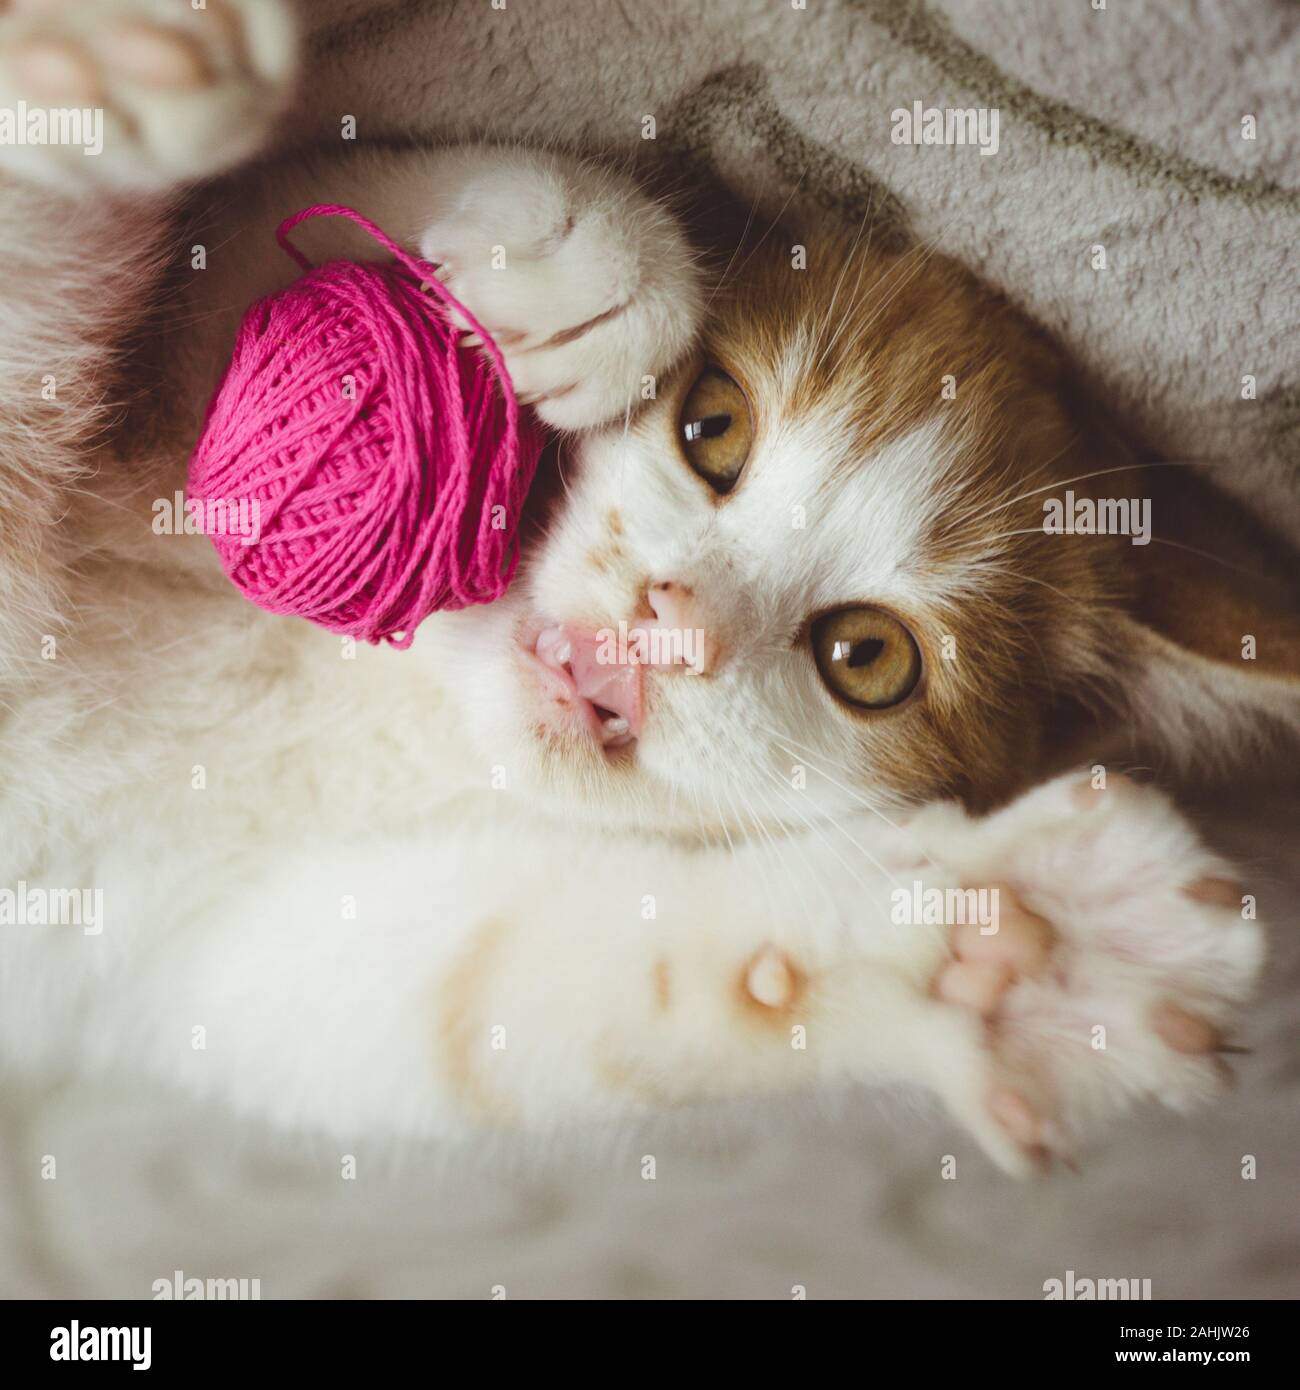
349,869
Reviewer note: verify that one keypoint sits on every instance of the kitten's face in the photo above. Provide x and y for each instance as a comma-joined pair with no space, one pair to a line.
867,608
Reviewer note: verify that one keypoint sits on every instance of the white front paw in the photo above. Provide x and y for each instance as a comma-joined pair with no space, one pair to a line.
1123,952
587,285
164,91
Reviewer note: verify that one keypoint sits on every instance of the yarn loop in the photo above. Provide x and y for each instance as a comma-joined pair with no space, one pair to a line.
383,461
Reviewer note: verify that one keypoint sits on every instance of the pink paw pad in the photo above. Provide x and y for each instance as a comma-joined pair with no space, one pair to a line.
155,56
50,70
987,963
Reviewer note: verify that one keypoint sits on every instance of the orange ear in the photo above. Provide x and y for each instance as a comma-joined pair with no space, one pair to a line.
1209,646
1215,581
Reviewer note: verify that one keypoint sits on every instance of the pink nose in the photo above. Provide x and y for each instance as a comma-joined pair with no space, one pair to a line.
600,671
682,626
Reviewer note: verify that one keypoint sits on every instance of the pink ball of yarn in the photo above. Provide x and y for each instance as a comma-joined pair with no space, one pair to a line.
381,465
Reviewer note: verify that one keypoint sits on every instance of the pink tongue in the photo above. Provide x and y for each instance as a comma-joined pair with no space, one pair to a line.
616,687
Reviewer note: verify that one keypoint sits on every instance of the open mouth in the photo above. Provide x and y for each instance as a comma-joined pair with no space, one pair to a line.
579,674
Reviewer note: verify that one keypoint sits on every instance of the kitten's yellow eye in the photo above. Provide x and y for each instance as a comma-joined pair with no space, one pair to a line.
716,429
866,656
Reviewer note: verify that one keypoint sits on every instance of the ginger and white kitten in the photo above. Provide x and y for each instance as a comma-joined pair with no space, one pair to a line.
488,880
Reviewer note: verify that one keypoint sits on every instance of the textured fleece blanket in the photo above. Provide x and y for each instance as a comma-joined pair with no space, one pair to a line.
1162,133
1124,129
